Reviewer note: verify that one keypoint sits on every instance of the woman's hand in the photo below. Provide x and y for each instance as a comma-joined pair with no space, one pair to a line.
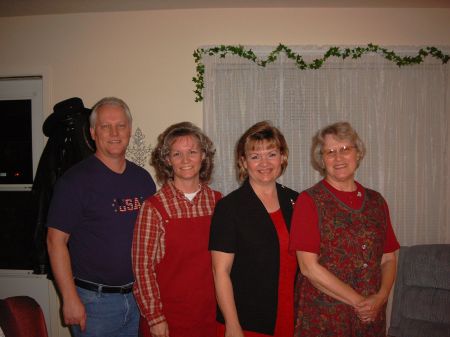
368,309
233,331
160,330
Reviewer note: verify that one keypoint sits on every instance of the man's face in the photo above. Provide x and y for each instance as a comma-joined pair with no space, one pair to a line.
111,133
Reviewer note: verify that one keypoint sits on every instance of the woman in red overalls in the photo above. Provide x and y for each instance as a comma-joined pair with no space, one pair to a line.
174,284
345,244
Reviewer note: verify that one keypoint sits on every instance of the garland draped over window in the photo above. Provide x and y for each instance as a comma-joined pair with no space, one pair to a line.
401,113
317,63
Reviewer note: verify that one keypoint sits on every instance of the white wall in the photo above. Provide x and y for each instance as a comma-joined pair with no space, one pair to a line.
146,57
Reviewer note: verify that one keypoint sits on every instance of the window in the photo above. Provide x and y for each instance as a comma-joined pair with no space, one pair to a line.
21,144
21,137
402,115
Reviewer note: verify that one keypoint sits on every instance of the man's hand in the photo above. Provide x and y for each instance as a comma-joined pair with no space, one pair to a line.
74,313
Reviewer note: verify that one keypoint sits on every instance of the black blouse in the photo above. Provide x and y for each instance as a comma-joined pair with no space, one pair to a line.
241,225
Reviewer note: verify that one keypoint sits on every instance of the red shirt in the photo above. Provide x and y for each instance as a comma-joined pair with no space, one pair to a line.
305,234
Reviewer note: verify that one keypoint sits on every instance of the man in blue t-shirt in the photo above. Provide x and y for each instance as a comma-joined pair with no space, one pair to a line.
90,229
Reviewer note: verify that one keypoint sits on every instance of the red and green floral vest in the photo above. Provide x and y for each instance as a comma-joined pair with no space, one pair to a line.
351,247
351,241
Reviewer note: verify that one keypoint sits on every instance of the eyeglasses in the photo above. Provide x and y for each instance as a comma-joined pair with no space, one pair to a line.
343,151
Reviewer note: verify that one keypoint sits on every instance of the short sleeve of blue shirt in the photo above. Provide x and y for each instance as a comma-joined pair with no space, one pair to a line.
66,209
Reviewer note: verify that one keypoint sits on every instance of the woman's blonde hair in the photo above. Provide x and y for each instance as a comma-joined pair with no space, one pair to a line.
256,134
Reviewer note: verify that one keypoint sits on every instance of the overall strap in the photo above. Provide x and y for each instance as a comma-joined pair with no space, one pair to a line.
159,207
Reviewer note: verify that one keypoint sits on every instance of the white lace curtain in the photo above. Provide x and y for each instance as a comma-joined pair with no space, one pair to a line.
402,115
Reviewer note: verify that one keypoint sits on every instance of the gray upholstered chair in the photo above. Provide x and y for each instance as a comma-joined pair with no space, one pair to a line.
421,306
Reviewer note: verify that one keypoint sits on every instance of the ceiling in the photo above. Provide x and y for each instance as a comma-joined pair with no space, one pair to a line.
40,7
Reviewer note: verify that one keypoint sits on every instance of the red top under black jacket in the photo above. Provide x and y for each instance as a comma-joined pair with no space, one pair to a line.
241,225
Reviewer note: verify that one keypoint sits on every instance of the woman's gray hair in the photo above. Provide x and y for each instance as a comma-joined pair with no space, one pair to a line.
158,160
340,130
109,101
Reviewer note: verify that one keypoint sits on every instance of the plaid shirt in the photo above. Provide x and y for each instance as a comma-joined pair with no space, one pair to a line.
149,242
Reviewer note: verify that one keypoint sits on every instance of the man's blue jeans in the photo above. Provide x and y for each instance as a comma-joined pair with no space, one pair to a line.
108,315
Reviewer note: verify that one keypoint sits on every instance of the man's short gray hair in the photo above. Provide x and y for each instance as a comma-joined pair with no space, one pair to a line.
109,101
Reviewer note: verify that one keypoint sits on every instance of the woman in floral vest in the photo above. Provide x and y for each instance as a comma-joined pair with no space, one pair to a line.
344,242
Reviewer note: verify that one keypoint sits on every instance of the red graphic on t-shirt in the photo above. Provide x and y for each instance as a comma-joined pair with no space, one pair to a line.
128,204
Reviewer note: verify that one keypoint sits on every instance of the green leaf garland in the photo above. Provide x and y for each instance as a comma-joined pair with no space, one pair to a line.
343,53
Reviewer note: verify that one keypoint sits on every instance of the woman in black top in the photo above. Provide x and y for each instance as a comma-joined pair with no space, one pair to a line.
253,272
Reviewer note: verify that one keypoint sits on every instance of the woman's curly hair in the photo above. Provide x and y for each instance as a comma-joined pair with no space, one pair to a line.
158,160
